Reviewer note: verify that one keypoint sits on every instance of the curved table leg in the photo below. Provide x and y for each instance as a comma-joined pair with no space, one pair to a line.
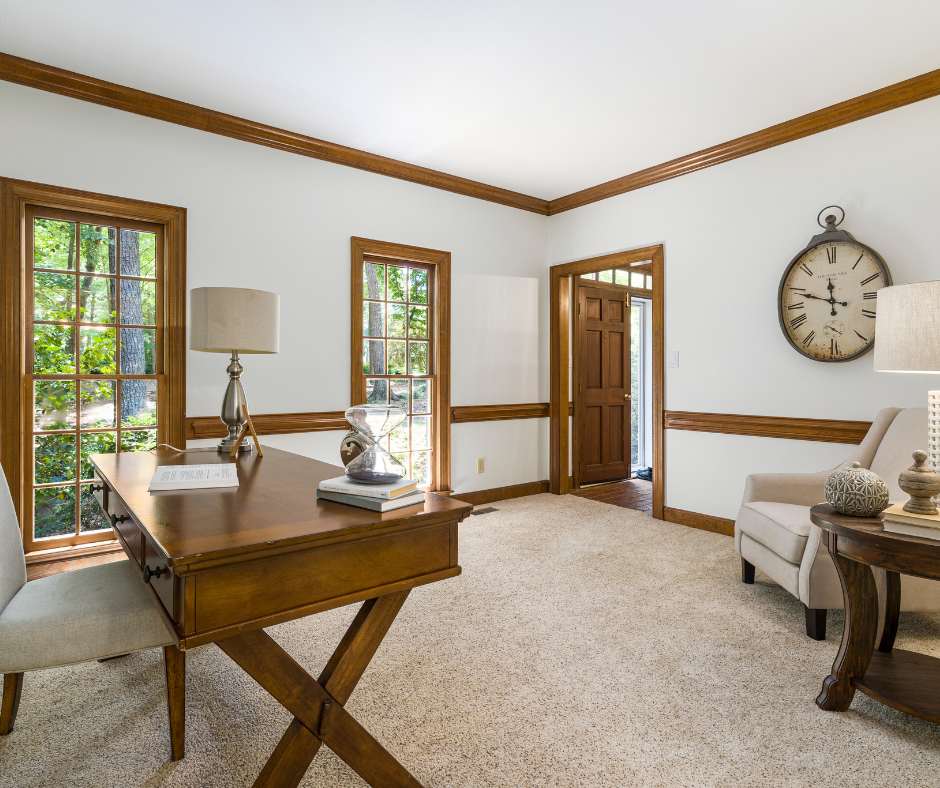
889,609
858,636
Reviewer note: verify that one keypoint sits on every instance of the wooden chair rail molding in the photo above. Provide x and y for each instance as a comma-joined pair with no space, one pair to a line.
97,91
898,95
824,430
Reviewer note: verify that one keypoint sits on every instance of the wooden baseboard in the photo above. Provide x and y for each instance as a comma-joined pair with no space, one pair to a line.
705,522
502,493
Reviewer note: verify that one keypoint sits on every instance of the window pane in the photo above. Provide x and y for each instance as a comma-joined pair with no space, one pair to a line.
53,296
400,393
621,278
54,404
649,282
399,438
396,357
53,350
373,319
96,443
376,392
606,276
53,244
97,299
99,249
421,467
397,283
138,253
373,281
421,432
587,276
97,404
54,512
97,351
138,403
419,286
139,440
92,518
402,457
138,351
396,320
418,322
636,280
138,302
373,357
421,396
54,458
417,358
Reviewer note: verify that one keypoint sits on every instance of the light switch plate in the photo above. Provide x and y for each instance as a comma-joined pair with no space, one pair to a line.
672,358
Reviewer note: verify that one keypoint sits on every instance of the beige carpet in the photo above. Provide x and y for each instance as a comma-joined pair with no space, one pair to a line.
584,645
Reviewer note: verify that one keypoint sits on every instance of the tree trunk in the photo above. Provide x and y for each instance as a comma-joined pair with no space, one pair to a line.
376,349
133,359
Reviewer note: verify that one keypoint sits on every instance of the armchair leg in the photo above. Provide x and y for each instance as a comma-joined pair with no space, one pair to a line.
174,662
12,689
815,622
747,572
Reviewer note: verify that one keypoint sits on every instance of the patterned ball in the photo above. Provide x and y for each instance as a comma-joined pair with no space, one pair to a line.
856,491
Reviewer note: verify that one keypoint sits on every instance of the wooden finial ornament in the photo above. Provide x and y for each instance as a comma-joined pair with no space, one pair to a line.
921,484
241,436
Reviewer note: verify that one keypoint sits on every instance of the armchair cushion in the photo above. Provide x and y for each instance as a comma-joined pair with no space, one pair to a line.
782,527
91,613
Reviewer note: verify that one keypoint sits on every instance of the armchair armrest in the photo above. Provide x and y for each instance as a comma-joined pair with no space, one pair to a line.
805,489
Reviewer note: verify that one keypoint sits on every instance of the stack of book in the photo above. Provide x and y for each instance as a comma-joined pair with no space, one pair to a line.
896,520
378,497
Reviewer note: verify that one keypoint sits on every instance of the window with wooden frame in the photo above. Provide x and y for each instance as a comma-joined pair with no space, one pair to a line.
401,350
99,360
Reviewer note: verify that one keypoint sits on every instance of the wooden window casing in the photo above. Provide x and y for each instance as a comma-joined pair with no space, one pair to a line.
22,204
437,264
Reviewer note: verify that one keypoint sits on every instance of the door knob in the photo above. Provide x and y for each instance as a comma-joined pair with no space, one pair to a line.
627,396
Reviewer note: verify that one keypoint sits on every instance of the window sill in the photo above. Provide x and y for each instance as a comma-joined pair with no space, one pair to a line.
54,554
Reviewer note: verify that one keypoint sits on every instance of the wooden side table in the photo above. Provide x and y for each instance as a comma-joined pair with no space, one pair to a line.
867,659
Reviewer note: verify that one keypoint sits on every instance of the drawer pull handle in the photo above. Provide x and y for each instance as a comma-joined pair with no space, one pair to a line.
97,488
115,519
148,573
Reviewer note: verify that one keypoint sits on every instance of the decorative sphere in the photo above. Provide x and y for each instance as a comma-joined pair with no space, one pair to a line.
856,491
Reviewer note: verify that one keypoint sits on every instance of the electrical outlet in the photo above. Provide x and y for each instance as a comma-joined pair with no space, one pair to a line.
672,358
480,465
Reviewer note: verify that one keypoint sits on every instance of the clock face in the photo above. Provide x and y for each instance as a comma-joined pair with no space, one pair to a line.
828,298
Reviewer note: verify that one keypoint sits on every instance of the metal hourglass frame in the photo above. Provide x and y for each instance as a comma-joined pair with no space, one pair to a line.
372,464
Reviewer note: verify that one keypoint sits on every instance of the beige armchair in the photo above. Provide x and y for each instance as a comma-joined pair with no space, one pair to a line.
86,614
773,532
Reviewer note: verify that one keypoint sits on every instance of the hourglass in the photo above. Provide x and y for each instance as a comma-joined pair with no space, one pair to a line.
374,465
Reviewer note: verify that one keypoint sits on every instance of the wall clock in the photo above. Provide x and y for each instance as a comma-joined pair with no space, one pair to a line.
827,295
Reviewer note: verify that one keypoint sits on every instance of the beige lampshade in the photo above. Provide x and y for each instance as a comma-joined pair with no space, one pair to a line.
223,319
908,328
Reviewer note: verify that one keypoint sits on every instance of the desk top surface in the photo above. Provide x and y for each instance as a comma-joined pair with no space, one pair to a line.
275,503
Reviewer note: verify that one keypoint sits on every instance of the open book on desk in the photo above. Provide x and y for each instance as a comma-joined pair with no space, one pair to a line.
194,477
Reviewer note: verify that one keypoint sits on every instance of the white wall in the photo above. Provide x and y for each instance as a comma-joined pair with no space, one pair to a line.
729,232
276,221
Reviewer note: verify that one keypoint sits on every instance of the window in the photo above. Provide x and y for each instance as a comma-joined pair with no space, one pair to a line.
639,280
638,364
95,352
401,350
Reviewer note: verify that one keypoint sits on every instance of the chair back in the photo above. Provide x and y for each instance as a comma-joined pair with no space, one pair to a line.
907,434
12,560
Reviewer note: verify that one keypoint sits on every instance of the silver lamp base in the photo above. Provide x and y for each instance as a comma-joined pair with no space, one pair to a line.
234,408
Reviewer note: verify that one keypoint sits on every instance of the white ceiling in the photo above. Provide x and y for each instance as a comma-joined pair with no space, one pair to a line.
544,97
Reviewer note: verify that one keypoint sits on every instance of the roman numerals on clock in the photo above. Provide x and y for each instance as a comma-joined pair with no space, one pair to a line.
831,255
871,278
798,321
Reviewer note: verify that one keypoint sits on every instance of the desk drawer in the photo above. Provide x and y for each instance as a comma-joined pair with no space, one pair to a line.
127,529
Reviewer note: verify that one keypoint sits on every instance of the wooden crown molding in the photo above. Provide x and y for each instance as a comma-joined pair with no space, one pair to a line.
139,102
898,95
823,430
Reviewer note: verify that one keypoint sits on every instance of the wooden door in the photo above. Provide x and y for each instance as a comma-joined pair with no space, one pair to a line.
603,384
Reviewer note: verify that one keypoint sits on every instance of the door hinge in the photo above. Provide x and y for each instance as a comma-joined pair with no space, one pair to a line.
579,309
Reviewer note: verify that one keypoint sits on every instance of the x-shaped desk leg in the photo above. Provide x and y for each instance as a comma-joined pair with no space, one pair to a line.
317,705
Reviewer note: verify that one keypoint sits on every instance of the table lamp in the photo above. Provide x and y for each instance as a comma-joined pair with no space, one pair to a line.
234,320
908,340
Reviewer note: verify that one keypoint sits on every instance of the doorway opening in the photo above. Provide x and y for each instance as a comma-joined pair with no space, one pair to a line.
607,369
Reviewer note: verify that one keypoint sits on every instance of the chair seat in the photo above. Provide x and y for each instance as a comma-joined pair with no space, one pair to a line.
91,613
781,527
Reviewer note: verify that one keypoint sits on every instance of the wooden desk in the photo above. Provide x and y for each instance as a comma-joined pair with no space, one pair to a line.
867,659
224,563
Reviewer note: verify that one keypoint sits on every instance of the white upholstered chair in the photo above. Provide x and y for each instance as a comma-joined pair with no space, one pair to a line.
773,531
86,614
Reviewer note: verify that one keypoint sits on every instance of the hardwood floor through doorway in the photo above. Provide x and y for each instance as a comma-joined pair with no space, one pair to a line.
629,494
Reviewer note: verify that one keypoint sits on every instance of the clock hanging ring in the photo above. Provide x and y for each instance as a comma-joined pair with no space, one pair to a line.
828,295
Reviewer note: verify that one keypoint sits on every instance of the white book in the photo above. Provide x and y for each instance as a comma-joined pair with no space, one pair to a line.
911,530
343,484
194,477
375,504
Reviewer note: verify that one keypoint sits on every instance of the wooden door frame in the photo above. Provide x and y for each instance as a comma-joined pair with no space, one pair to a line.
15,196
560,288
363,247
